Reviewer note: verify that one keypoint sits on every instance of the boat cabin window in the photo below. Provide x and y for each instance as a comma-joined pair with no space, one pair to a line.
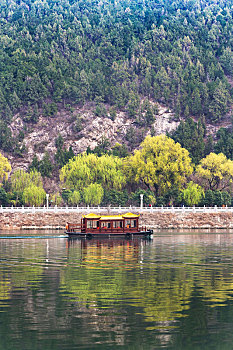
92,223
117,224
95,224
134,223
130,223
106,224
127,223
89,224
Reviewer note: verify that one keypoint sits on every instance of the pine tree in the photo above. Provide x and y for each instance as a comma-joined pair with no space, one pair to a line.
219,105
196,106
46,166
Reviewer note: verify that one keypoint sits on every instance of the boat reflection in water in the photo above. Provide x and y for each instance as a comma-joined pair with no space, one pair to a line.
104,249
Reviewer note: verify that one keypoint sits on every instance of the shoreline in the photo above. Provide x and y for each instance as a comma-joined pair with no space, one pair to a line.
156,220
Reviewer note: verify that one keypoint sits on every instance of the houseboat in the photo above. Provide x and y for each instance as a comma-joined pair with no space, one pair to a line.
93,225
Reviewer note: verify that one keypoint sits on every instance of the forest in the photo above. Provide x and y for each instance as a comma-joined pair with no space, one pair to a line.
117,54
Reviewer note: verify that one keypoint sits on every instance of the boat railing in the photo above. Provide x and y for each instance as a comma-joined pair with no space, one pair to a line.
74,227
81,228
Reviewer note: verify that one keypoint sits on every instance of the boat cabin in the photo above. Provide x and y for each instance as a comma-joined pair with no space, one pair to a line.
92,223
110,223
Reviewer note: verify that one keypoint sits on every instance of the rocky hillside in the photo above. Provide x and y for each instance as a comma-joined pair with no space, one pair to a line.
40,137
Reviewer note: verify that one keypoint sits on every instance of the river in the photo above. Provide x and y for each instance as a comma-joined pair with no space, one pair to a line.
173,292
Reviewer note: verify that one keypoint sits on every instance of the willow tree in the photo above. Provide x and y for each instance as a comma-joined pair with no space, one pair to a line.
93,194
33,195
216,171
160,164
5,168
86,169
74,198
193,194
20,179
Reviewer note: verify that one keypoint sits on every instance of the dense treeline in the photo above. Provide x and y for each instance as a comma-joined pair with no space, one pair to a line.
178,53
161,169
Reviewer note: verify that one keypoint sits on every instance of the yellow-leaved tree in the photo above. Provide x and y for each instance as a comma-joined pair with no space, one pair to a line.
33,195
90,174
20,179
160,163
28,186
216,171
193,194
5,168
86,169
93,194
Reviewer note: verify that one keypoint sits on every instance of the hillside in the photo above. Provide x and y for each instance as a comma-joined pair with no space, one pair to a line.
59,56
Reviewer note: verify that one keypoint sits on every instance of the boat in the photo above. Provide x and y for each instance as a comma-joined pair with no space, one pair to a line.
93,225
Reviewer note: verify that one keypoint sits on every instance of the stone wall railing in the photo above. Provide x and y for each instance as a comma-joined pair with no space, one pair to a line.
119,209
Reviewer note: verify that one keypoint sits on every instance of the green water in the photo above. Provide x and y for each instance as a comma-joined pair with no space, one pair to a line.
175,292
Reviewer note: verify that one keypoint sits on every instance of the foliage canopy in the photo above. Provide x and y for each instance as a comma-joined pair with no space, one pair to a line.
193,194
160,164
86,169
93,194
33,195
5,168
20,179
216,171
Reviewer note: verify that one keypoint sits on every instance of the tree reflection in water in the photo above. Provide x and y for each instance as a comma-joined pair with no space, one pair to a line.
115,291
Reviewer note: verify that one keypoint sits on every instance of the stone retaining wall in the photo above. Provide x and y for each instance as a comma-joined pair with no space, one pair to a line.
13,221
188,220
16,221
